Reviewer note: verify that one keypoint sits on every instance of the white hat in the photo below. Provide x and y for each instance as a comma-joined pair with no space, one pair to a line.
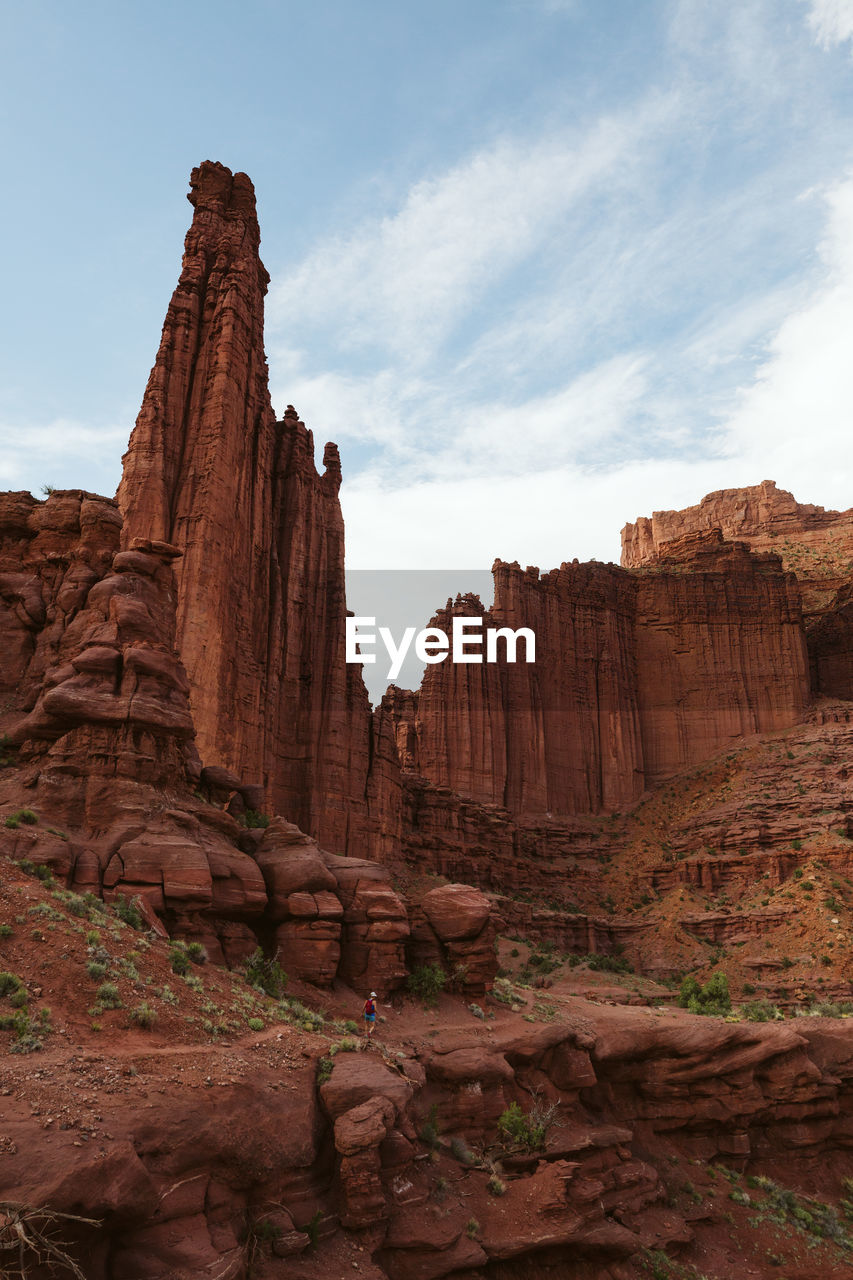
373,995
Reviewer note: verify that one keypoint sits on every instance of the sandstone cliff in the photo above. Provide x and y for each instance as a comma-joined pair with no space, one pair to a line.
261,601
636,676
815,544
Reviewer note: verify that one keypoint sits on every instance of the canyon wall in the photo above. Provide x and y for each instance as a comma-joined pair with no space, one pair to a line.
815,544
637,675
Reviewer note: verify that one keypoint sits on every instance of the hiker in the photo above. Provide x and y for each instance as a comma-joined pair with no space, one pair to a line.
370,1013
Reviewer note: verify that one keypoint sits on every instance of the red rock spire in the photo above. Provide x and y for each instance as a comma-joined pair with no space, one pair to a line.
261,601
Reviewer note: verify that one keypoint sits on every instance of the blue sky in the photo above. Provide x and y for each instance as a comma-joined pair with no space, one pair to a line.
539,266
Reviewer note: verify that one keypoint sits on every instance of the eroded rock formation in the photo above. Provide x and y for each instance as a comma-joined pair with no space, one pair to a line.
636,676
261,603
815,544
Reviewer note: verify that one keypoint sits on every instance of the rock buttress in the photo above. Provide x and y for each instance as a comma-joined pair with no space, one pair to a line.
261,601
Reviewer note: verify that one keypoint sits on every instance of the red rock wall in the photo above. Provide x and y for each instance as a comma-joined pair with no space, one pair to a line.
636,676
720,651
261,602
815,544
561,735
51,554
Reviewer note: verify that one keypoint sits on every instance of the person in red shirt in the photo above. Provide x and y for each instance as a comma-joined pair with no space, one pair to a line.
370,1013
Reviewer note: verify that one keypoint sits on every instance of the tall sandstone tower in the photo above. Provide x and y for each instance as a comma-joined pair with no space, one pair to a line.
261,601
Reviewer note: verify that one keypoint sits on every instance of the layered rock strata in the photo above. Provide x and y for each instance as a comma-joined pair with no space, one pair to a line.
636,677
261,602
633,1095
815,544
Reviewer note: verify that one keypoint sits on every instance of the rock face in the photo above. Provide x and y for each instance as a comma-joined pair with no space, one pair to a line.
815,544
720,651
261,603
334,917
636,676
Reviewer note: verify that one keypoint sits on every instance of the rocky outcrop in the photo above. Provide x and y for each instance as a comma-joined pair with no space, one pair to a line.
815,544
261,602
51,553
334,917
454,926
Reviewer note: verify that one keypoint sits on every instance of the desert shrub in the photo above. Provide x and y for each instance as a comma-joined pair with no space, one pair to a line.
197,952
429,1129
760,1011
516,1129
38,871
503,991
168,996
712,999
472,1228
324,1070
10,983
255,1024
22,817
30,1031
462,1152
266,973
127,909
607,964
108,996
253,819
496,1186
6,931
96,969
426,982
179,959
143,1016
312,1227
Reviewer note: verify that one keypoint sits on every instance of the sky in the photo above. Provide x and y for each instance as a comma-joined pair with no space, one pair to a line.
538,266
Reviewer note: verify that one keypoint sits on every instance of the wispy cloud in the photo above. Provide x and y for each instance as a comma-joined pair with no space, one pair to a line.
401,283
831,21
583,322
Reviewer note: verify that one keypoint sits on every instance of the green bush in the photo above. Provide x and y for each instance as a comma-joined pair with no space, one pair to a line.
255,1024
712,999
96,969
128,911
10,983
324,1070
6,931
179,959
266,973
108,995
426,982
197,952
143,1016
253,819
760,1011
515,1128
22,817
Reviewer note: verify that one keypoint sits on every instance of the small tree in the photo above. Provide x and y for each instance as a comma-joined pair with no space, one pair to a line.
712,999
